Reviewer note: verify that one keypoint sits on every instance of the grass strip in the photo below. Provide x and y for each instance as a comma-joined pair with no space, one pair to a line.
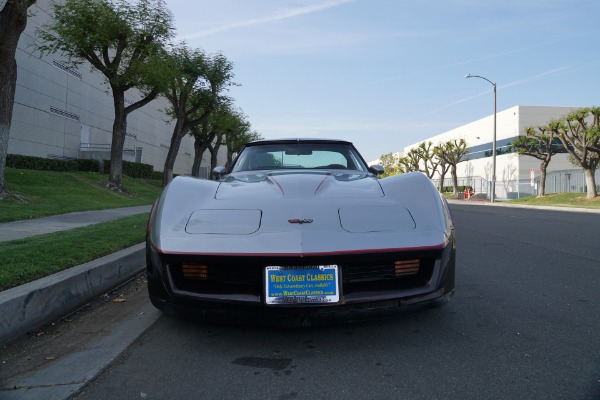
26,260
42,193
560,200
577,200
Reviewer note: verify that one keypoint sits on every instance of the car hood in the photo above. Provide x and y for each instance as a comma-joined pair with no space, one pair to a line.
298,184
296,213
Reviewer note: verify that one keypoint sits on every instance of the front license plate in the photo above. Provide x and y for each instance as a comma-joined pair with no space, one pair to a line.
302,285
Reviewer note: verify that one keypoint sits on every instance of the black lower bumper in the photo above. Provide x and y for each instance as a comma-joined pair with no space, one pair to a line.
299,316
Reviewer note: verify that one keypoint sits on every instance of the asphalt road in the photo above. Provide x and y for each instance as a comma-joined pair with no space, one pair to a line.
524,324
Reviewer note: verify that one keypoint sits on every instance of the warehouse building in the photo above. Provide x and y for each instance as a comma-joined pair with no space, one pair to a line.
516,175
67,113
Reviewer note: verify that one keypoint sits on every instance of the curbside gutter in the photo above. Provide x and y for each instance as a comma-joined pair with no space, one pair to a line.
29,306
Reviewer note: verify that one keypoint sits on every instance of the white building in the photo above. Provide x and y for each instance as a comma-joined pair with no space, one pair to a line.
61,112
513,171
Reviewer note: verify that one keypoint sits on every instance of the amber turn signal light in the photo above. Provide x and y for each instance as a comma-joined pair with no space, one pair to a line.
194,271
406,267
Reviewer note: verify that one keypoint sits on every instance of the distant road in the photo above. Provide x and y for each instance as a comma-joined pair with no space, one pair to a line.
524,324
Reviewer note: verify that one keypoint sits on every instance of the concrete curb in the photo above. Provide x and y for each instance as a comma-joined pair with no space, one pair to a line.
27,307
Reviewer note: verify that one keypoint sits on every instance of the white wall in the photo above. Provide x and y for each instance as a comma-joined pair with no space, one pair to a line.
82,96
510,123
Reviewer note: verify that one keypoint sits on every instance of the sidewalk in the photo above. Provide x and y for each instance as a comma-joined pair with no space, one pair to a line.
31,227
29,306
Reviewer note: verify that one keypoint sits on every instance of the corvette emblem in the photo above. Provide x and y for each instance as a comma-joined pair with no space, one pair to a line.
300,221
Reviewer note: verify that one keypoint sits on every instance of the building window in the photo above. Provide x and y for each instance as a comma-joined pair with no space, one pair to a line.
67,69
64,113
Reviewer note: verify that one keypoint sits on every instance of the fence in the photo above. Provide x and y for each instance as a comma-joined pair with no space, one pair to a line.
479,184
567,181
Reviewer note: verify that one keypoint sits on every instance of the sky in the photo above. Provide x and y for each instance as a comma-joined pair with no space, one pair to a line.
385,74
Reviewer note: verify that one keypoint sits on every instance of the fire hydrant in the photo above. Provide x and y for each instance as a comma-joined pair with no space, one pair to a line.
467,194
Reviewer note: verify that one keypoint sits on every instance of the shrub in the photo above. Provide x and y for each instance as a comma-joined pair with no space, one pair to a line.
132,169
158,175
87,165
461,189
40,164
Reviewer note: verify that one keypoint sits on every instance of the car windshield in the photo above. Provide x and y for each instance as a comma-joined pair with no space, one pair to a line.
299,156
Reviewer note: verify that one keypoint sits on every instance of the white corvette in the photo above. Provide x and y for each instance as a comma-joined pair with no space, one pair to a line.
299,231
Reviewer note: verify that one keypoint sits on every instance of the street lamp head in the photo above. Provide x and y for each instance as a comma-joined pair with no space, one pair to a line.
481,77
494,140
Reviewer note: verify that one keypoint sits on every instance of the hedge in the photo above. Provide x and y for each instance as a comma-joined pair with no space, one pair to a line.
461,189
49,164
134,170
157,175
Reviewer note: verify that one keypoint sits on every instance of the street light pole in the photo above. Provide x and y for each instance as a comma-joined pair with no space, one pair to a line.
493,196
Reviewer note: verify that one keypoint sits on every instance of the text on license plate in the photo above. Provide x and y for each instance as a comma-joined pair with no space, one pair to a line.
302,285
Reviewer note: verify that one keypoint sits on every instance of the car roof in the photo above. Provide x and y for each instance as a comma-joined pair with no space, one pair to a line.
295,140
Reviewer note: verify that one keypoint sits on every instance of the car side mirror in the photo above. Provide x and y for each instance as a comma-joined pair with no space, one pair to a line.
219,171
376,169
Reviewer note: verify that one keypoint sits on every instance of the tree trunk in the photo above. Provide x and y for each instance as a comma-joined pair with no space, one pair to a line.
115,181
442,178
176,138
213,161
590,182
229,156
214,152
454,180
198,152
542,188
13,20
200,145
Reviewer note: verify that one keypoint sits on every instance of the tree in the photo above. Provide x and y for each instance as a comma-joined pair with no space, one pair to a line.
426,158
452,152
13,20
539,143
203,136
579,133
238,135
444,166
239,140
124,40
194,91
213,148
390,163
230,127
210,135
410,162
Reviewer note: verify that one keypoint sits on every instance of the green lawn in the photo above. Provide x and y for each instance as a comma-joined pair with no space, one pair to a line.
42,193
32,258
560,199
577,200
